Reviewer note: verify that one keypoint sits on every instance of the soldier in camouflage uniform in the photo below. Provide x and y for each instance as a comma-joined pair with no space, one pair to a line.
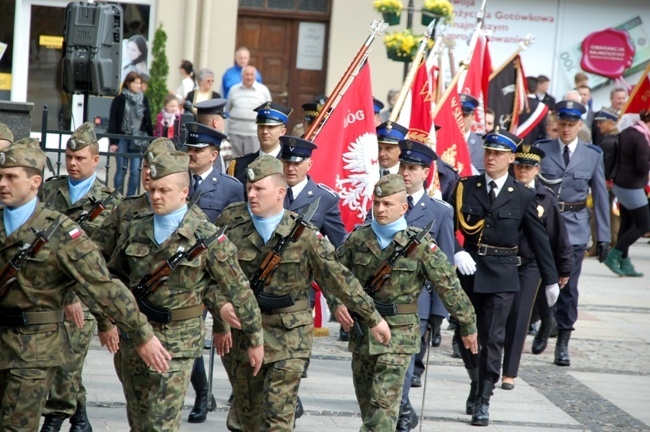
32,350
73,195
266,401
378,371
155,401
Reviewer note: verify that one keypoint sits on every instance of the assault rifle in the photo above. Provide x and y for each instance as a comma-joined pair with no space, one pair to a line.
152,281
9,272
97,208
375,281
272,260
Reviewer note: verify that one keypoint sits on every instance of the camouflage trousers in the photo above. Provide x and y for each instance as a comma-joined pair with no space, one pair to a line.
232,423
378,382
67,391
267,402
154,401
22,397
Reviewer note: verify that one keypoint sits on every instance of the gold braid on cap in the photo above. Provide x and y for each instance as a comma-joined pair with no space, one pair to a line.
311,113
467,228
529,156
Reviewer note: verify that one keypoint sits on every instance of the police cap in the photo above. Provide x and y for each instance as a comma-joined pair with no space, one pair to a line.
295,149
413,152
272,114
200,136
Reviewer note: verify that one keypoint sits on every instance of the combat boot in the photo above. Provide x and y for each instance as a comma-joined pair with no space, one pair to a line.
202,404
408,419
473,391
541,338
628,269
299,410
481,415
79,421
562,348
52,423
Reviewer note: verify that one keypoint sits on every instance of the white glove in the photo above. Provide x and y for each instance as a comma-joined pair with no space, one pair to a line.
465,263
552,293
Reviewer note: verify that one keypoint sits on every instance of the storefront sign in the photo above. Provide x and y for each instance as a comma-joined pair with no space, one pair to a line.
607,53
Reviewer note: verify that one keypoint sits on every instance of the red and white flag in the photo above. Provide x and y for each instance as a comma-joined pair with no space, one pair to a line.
476,80
640,96
347,150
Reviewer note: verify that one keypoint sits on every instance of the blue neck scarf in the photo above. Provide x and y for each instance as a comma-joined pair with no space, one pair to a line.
79,188
385,233
14,218
266,226
165,225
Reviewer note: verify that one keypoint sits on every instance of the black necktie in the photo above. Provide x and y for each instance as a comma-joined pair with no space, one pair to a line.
197,182
566,156
409,199
493,191
290,194
385,172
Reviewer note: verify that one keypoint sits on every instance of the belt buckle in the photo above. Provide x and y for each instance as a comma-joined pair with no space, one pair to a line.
482,249
561,205
393,307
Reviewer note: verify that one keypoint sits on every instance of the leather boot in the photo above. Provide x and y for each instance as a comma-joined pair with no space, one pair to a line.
52,423
408,419
300,410
202,404
473,391
455,350
562,348
541,338
481,415
79,421
628,269
613,261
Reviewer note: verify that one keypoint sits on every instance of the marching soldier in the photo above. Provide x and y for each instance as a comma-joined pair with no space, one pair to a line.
259,228
271,122
416,160
571,169
378,371
33,341
78,192
174,307
491,210
526,167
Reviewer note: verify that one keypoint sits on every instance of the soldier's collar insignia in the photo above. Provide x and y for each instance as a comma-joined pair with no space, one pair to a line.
478,184
251,174
310,193
510,189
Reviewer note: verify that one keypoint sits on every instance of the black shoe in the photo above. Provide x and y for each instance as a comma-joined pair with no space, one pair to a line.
473,391
456,351
437,339
343,335
200,410
52,423
481,415
541,338
79,421
408,419
562,348
230,398
416,381
300,410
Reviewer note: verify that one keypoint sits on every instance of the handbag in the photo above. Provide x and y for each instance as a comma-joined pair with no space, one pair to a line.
138,145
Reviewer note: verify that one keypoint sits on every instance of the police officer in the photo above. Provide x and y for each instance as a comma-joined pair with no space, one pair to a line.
526,167
388,139
266,401
571,169
211,114
271,122
378,371
377,106
213,278
78,192
311,111
416,161
492,211
33,343
217,189
474,141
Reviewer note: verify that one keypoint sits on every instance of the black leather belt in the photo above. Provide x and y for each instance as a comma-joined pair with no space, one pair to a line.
571,206
392,309
484,250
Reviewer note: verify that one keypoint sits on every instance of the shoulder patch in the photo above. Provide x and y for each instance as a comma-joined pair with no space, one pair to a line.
328,189
595,148
433,246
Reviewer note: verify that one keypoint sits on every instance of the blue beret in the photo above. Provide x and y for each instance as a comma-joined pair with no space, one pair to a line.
378,105
501,140
414,152
393,135
567,109
468,102
605,115
272,114
211,106
200,136
295,149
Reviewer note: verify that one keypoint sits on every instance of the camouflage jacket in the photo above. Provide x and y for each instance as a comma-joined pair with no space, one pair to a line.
362,254
70,260
290,335
56,196
213,278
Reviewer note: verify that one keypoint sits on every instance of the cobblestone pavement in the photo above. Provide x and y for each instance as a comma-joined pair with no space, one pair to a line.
607,388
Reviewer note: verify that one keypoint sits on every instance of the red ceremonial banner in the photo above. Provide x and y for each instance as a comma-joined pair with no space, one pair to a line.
477,80
451,145
640,96
346,158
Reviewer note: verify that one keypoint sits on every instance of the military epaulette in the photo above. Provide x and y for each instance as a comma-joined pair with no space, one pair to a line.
58,177
465,178
595,147
328,189
542,141
132,197
228,176
439,201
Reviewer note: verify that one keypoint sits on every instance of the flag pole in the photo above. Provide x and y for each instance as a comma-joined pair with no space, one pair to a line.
644,75
377,27
408,81
480,19
449,89
522,46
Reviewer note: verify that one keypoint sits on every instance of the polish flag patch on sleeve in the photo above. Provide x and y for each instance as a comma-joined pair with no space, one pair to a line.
74,233
221,238
433,246
319,235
